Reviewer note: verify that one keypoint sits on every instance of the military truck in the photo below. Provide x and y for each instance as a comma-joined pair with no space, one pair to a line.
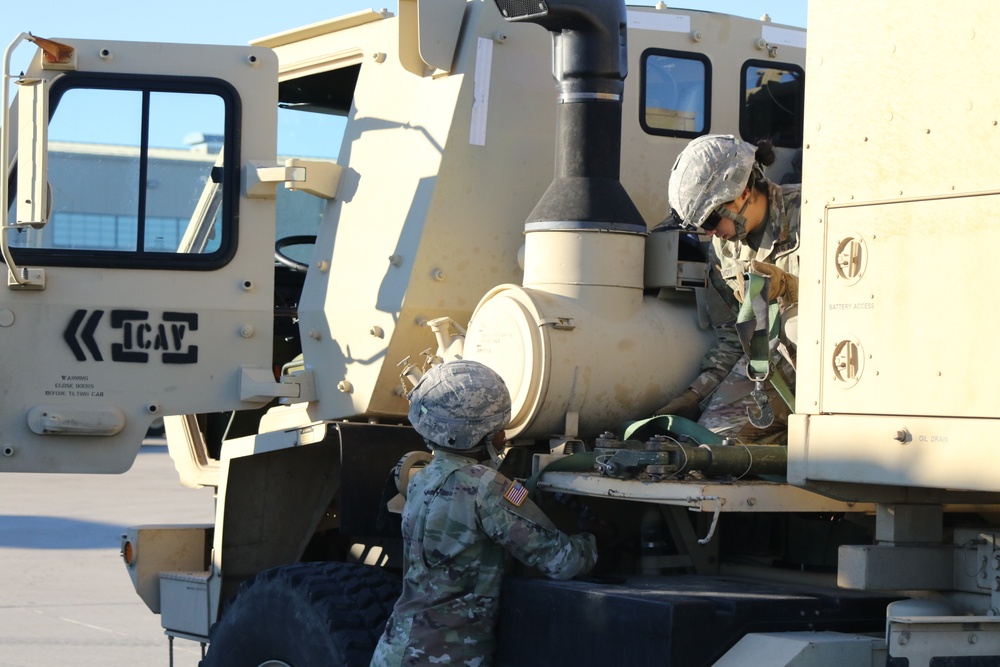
496,194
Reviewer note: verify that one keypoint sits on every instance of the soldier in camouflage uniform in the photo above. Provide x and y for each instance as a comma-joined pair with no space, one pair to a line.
717,185
461,521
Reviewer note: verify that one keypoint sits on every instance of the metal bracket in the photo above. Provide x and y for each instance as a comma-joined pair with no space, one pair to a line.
764,416
320,178
31,279
564,323
257,385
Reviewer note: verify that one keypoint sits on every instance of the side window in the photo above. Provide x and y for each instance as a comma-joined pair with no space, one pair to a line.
140,175
675,93
312,119
772,95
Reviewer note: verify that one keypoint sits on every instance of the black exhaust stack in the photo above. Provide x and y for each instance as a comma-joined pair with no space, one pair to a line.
589,63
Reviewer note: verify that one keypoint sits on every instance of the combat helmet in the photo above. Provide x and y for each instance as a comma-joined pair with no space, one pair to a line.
711,170
457,404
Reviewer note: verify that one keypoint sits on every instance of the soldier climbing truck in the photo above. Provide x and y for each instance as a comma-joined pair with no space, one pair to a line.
481,180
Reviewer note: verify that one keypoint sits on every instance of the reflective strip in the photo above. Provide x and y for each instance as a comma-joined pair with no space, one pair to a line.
579,97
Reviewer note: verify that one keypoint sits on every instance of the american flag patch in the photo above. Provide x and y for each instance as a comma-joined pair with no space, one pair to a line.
516,493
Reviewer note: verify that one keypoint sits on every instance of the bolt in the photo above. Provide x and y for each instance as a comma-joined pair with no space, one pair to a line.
377,331
902,436
345,386
246,331
904,638
973,638
751,502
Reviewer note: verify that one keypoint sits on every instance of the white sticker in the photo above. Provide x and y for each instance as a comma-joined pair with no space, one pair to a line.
481,91
783,36
657,21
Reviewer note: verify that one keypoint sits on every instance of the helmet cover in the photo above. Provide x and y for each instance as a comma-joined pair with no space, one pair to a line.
711,170
458,403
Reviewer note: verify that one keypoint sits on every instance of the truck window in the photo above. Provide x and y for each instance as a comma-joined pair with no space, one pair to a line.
772,95
140,174
674,93
312,119
303,134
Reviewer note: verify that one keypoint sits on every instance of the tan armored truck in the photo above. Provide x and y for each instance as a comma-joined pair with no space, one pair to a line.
482,180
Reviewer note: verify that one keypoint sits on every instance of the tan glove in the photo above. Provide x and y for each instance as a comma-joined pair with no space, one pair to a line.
685,405
782,284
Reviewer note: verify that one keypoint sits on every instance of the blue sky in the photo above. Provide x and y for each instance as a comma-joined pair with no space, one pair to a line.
230,22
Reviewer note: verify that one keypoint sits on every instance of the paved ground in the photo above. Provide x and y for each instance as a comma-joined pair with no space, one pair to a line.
65,597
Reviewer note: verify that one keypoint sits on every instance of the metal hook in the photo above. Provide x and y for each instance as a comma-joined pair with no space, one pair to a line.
765,415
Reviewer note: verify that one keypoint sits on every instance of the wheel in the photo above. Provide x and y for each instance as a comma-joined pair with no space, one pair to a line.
305,615
281,244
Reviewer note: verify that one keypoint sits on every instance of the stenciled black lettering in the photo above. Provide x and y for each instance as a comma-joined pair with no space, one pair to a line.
181,323
160,342
123,319
178,331
140,336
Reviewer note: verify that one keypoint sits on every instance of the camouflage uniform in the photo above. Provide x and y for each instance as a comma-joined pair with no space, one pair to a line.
460,522
723,379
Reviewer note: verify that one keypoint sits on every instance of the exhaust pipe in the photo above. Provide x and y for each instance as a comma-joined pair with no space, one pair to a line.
589,63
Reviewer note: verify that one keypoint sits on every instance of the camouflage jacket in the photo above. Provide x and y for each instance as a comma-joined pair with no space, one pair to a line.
728,260
460,522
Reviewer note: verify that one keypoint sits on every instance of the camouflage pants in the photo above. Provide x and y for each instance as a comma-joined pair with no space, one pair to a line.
726,411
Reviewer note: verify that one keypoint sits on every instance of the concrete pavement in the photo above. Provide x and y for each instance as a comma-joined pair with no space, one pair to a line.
65,597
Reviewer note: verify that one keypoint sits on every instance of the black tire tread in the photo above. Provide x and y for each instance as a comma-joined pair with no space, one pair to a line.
307,614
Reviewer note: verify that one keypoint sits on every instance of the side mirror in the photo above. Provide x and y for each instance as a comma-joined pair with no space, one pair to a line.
32,153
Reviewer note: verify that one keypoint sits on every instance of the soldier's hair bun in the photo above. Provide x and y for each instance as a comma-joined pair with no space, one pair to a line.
765,152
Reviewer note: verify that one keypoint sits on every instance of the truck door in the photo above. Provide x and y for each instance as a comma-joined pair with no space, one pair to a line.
140,275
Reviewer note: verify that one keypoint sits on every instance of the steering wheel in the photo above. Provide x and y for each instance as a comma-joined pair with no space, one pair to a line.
282,243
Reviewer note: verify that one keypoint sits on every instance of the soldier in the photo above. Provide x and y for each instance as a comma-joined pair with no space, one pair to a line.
717,185
460,522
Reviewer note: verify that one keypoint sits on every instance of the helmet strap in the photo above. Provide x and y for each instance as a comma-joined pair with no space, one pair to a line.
496,458
739,220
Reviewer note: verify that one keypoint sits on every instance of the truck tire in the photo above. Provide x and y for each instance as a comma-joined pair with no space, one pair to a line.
305,615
